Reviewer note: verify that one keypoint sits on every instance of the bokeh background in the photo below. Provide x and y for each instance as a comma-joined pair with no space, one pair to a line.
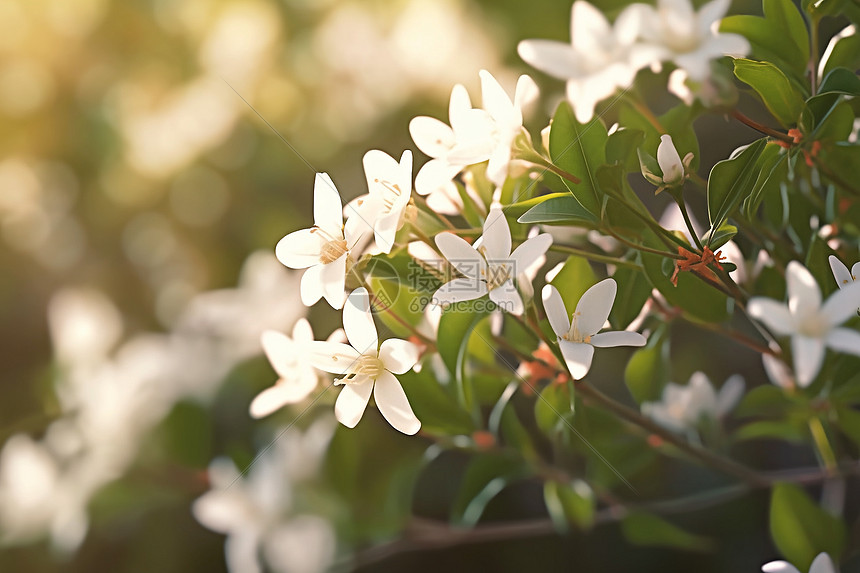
140,202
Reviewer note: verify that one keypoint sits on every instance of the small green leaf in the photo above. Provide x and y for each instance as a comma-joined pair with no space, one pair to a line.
778,94
521,207
841,80
845,54
578,149
559,209
720,237
800,529
731,181
569,504
772,170
646,529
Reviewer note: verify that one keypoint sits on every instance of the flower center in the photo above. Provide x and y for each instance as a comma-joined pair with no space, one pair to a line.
813,326
573,335
365,366
333,249
391,195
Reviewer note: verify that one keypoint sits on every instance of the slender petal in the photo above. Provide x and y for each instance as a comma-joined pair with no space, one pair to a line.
557,59
379,167
431,136
358,322
808,355
394,405
435,175
840,272
711,12
842,304
459,104
496,102
508,298
804,295
526,92
300,249
577,357
333,357
399,356
530,251
553,305
302,331
594,306
822,564
773,314
283,393
351,402
778,373
460,254
459,290
333,279
311,286
669,161
779,567
280,351
497,236
588,27
730,394
844,340
618,338
328,208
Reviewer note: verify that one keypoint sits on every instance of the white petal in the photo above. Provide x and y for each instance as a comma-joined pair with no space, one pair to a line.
378,167
618,338
594,306
351,402
393,404
507,298
844,340
779,567
711,12
822,564
777,371
577,357
300,249
588,28
808,355
459,290
460,102
497,236
526,92
496,102
840,272
328,208
333,279
730,394
431,136
773,314
460,254
403,177
302,331
435,175
557,59
312,287
530,251
385,229
497,168
280,351
669,160
399,356
283,393
219,510
445,200
553,306
842,304
241,552
333,357
358,322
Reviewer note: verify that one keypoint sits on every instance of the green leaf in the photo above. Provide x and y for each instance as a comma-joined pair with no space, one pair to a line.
678,122
578,149
569,503
559,209
455,329
845,54
575,277
849,422
486,476
621,148
438,411
841,80
720,237
647,370
554,408
773,430
772,167
778,94
800,529
731,181
646,529
520,208
633,291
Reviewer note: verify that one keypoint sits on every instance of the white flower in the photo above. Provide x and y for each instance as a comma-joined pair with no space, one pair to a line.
367,366
598,60
491,267
688,38
579,334
389,186
493,139
324,249
297,379
843,276
821,564
436,139
683,407
811,325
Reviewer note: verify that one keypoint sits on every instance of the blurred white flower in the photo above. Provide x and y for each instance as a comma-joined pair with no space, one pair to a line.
492,140
579,334
366,366
254,510
491,267
813,326
84,325
598,60
384,207
297,379
843,276
821,564
325,249
682,408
